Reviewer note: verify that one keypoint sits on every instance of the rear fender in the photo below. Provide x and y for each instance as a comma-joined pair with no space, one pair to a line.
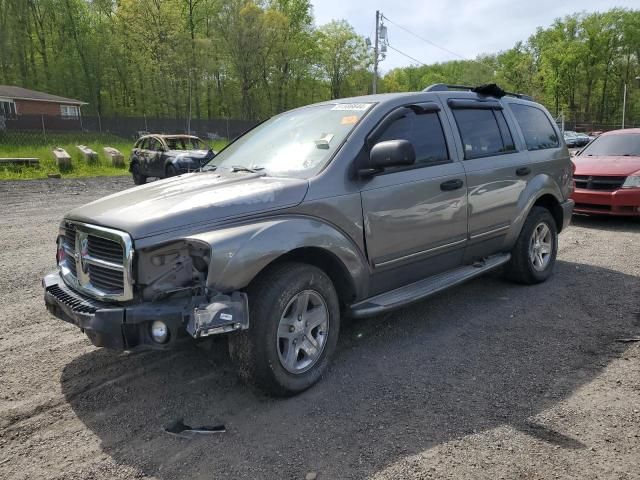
537,187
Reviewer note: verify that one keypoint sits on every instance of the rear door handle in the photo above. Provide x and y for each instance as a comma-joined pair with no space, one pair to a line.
451,185
523,171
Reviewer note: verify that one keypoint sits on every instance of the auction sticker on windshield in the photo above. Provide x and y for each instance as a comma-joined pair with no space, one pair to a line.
352,107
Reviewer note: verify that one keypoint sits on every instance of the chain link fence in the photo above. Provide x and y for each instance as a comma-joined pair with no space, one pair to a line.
40,128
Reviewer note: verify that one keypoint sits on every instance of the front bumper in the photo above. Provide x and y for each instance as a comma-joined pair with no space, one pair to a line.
113,326
567,211
621,202
127,327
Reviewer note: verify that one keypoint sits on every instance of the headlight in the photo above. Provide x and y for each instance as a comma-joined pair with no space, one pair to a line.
632,181
180,265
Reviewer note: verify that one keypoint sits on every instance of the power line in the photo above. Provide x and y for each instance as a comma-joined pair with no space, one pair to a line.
426,40
406,55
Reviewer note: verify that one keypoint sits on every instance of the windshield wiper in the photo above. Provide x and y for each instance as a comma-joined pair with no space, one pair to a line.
209,168
240,168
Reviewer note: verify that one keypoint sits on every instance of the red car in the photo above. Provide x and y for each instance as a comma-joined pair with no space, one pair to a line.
607,174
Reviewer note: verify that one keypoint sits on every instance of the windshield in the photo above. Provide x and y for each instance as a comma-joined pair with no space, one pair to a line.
185,143
618,144
294,144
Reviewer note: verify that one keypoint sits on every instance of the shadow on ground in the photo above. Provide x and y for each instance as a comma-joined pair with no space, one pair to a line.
606,222
475,357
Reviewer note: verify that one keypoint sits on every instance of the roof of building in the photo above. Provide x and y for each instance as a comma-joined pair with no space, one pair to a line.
19,93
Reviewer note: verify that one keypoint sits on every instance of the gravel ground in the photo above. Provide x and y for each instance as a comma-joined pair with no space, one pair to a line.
488,380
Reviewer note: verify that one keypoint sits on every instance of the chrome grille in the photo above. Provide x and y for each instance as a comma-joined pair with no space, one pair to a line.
97,261
105,249
70,248
111,281
591,182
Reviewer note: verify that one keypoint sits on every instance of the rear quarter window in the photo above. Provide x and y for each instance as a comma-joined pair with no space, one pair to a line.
536,127
484,132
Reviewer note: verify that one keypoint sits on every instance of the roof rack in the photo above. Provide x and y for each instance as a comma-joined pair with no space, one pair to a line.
488,89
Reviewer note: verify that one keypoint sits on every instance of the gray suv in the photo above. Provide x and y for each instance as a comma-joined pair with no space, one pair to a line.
347,208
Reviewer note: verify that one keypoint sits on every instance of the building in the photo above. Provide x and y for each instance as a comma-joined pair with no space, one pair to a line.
18,101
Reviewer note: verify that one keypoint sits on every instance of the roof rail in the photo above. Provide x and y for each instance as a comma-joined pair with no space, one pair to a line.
489,89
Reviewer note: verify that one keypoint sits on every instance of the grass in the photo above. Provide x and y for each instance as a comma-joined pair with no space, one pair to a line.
34,145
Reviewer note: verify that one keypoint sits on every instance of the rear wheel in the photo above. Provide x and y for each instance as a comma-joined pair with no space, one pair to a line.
294,325
138,177
534,254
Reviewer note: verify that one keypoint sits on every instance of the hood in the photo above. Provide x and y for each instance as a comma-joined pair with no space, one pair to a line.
607,165
191,199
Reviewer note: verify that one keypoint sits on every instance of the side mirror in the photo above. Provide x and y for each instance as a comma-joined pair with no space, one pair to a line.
390,153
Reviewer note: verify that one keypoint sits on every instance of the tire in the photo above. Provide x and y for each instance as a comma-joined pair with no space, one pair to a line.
276,299
138,178
171,171
531,262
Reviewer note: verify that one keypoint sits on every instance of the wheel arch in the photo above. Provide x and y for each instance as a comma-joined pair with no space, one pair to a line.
325,261
239,254
551,203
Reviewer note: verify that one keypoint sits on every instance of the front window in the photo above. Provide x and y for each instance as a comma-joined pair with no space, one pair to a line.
298,143
622,144
185,143
7,109
69,111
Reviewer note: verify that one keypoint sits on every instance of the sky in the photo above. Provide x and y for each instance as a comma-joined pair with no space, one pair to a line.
465,28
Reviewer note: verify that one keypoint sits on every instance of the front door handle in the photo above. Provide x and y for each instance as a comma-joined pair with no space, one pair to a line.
451,185
523,171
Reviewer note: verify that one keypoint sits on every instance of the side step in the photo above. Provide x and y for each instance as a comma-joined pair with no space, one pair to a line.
424,288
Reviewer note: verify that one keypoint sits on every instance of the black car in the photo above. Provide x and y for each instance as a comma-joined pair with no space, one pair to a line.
165,156
575,139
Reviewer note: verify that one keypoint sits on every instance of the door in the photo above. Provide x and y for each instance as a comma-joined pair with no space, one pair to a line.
140,154
154,157
415,218
497,172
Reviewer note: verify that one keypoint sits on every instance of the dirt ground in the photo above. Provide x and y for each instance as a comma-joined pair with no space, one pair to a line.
488,380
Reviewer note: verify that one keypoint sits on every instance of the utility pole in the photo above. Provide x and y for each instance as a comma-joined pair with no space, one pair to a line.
624,103
375,54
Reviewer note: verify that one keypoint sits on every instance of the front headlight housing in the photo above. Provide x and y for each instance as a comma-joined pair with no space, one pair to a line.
632,181
177,266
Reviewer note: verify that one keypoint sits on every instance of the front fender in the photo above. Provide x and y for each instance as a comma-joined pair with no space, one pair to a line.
537,187
239,253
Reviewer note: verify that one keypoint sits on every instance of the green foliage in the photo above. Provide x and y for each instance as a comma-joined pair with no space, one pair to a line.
253,58
578,66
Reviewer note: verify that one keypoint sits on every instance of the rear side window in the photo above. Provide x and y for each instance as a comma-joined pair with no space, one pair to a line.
536,127
484,132
425,133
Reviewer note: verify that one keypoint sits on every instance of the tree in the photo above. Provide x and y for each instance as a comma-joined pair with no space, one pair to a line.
341,53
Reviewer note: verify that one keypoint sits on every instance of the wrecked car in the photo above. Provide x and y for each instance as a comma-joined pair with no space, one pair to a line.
164,156
347,208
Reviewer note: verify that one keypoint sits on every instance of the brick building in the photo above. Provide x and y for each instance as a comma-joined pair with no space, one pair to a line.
24,107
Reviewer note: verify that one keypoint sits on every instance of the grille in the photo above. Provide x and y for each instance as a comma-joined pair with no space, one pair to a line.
105,249
105,256
70,243
592,206
598,183
106,279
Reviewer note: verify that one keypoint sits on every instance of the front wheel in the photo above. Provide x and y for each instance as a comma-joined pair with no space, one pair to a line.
138,177
534,254
294,317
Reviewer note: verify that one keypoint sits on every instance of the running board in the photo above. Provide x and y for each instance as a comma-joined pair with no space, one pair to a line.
424,288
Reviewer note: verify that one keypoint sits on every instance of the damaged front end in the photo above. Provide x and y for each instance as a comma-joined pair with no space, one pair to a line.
172,302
